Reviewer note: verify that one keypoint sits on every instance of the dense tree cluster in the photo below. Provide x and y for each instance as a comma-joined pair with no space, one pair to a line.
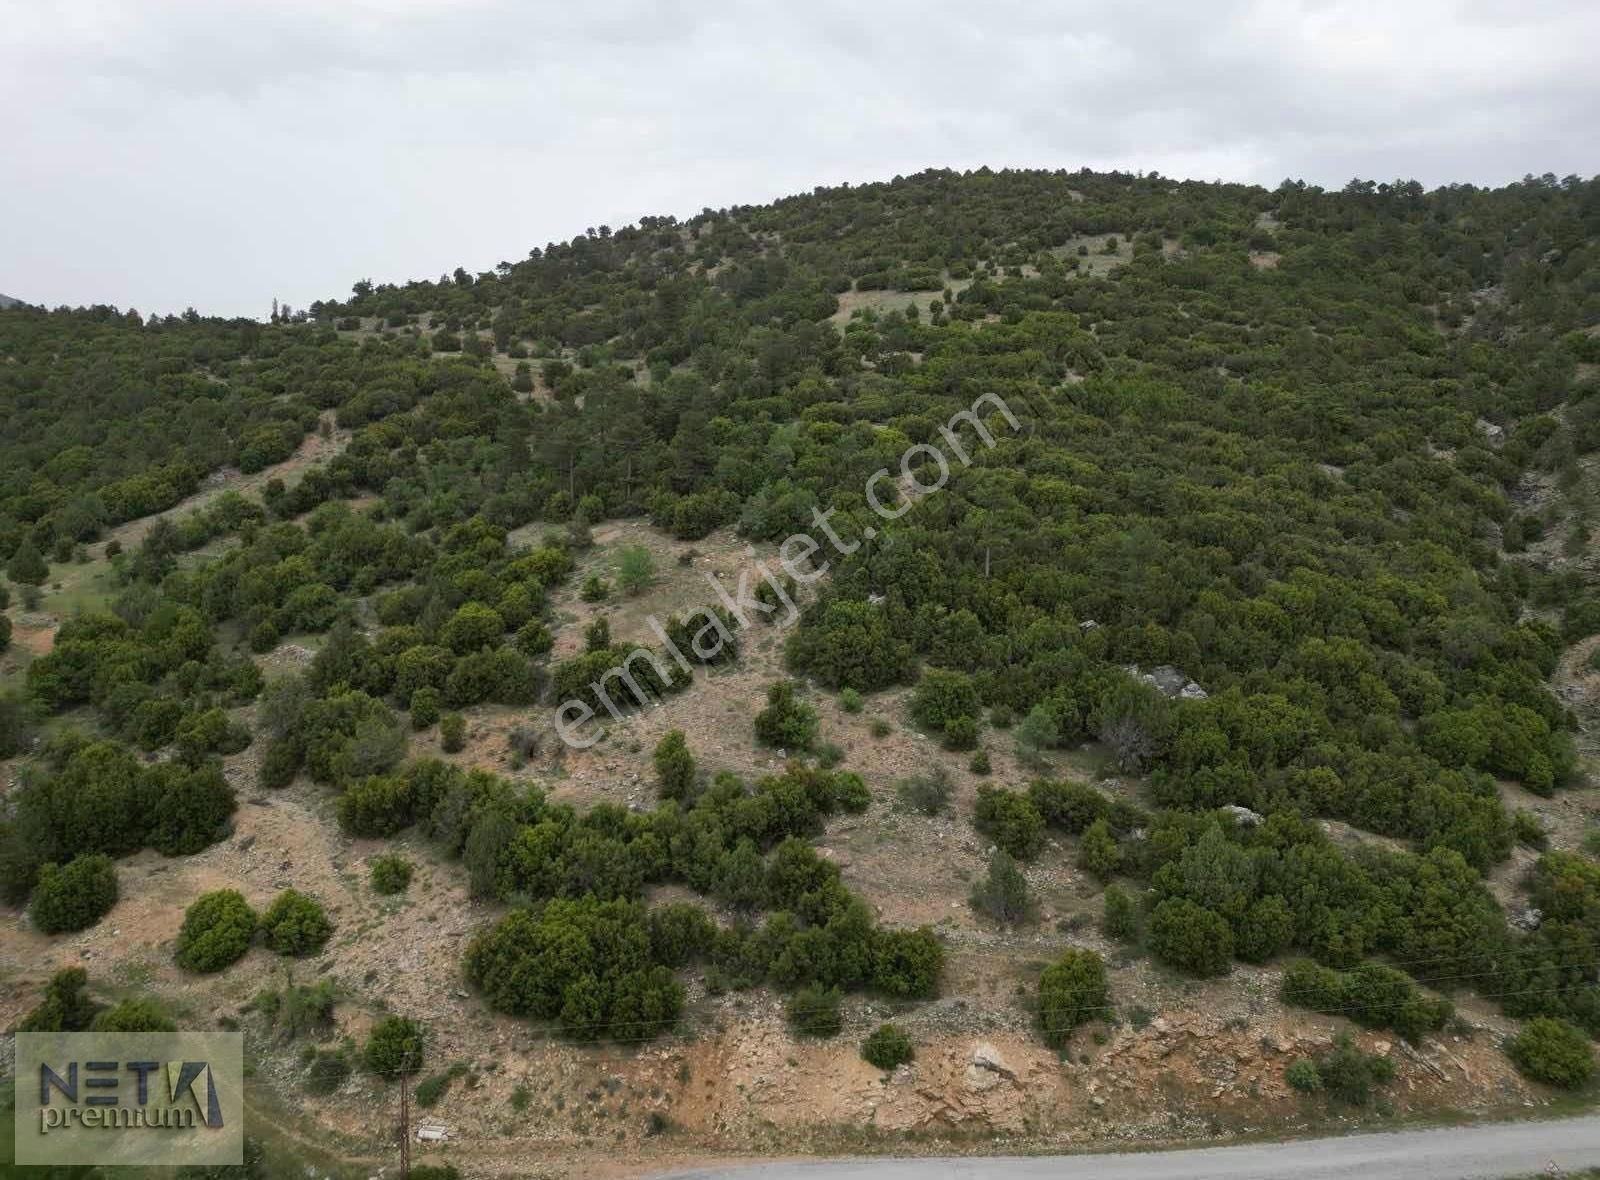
153,673
588,964
1370,994
576,879
96,797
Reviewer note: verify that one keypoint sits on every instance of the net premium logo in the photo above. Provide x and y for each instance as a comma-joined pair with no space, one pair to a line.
129,1098
101,1108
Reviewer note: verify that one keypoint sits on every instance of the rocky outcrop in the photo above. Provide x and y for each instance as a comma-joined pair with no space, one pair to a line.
1169,681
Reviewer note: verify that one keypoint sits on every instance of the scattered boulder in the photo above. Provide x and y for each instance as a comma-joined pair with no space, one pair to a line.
1169,681
986,1057
1243,816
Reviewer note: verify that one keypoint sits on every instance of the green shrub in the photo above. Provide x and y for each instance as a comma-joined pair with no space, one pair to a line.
659,1123
534,638
390,873
675,767
1035,736
452,733
66,1006
74,896
1526,827
1072,990
1553,1052
1003,893
328,1072
814,1012
1099,853
1011,820
26,565
379,805
1071,806
928,792
1191,938
433,1088
136,1015
1304,1076
13,724
850,700
280,762
597,635
907,963
848,644
426,704
942,697
960,733
1350,1075
636,569
295,924
299,1010
216,931
786,723
1122,914
887,1048
850,792
394,1047
264,637
435,1172
979,762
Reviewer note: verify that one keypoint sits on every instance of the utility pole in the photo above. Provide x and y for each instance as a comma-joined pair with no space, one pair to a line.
405,1128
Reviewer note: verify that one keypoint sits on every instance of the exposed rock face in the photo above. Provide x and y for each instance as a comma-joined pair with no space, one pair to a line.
980,1087
1527,919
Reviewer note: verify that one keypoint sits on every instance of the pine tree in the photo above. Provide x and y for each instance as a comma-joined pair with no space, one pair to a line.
26,565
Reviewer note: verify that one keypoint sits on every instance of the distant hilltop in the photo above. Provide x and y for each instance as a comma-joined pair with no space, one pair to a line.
7,301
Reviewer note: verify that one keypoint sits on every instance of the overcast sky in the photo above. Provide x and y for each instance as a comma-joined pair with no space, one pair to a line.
206,152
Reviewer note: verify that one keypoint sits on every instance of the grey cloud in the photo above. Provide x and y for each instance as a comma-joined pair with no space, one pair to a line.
216,153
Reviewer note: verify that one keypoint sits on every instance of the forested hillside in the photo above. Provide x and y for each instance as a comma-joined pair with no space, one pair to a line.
1325,457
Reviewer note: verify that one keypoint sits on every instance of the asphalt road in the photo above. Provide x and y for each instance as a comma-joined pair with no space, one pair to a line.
1489,1152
